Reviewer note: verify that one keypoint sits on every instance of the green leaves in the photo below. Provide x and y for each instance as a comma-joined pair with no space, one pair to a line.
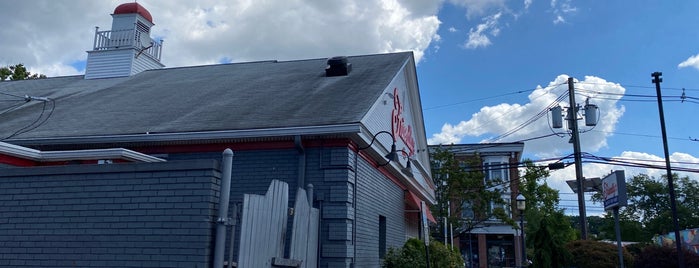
649,204
412,255
18,72
460,182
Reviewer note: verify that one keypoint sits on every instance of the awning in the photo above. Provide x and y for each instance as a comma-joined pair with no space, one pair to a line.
413,203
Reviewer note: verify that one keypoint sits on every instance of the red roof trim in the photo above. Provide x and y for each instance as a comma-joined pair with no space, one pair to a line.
131,8
414,203
16,161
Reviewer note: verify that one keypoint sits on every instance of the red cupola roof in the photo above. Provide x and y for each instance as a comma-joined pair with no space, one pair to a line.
130,8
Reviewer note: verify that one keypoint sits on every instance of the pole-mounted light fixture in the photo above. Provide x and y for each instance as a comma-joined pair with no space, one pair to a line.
521,203
408,169
392,155
521,206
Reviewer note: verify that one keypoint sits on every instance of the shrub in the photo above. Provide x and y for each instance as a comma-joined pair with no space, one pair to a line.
596,254
412,255
660,257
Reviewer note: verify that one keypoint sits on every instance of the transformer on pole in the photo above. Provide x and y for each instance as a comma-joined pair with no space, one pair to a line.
591,118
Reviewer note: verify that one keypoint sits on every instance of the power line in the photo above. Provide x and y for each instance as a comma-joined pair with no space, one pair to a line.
39,121
515,92
532,119
547,89
13,95
475,100
636,134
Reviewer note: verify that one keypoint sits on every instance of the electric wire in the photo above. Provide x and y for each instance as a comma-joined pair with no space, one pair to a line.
40,120
547,89
478,99
532,119
13,95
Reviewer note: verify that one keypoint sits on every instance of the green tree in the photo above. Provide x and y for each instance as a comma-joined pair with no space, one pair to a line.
461,183
548,229
18,72
412,255
596,254
649,207
631,230
654,256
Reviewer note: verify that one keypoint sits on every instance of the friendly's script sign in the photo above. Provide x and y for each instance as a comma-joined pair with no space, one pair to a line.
614,190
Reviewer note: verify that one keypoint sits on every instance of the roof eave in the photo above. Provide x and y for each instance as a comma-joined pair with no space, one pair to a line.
190,136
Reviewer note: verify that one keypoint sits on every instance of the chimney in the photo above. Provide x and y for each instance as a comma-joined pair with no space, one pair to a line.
338,66
127,48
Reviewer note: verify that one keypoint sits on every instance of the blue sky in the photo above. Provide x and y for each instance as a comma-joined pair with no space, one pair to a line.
484,66
622,42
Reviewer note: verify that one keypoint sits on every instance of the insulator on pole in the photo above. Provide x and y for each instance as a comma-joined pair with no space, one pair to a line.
557,117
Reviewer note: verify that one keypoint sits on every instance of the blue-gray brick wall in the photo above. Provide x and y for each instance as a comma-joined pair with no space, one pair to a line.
117,215
332,172
330,169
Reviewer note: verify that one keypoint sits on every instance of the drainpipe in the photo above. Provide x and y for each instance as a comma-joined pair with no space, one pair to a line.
302,162
223,208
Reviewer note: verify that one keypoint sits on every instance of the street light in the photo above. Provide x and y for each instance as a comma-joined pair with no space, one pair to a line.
392,155
521,206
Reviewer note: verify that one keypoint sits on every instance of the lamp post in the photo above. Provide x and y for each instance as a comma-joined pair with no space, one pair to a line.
521,206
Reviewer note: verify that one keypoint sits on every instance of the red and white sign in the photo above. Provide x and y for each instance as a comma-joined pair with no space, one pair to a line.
614,190
399,127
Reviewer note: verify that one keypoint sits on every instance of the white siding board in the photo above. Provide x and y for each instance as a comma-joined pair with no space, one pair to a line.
263,226
111,63
379,118
304,235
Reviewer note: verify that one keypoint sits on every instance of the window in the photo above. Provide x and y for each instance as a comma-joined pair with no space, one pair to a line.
497,173
382,237
467,211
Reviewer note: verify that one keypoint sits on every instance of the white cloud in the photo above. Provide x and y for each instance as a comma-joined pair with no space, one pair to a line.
50,36
527,3
557,179
678,160
692,61
501,118
479,7
478,37
453,30
561,9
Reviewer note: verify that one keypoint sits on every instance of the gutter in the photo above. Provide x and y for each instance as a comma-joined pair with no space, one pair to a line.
189,136
92,154
301,180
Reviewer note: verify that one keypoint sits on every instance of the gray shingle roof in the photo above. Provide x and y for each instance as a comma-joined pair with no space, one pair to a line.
239,96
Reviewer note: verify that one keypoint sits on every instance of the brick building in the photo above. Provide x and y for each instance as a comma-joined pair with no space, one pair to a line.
120,167
491,243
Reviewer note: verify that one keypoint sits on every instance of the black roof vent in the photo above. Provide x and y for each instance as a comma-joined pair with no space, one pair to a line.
338,66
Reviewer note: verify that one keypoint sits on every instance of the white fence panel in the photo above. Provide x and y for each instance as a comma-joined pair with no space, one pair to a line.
263,226
304,236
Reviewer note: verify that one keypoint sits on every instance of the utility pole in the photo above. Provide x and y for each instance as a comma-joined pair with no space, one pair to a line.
573,121
673,205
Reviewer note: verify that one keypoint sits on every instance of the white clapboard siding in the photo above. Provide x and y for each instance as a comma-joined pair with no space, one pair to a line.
263,226
304,234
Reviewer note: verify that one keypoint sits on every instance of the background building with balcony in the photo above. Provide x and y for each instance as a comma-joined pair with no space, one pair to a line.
489,242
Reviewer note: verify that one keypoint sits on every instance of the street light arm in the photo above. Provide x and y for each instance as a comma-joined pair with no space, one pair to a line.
373,139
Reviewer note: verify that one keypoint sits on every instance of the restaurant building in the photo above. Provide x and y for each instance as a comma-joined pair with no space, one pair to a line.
121,167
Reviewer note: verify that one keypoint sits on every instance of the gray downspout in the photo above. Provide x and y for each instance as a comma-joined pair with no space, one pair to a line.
301,181
223,208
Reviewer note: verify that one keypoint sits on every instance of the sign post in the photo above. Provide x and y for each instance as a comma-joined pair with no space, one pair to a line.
614,195
425,232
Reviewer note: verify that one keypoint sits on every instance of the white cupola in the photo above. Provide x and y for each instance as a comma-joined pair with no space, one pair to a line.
127,48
